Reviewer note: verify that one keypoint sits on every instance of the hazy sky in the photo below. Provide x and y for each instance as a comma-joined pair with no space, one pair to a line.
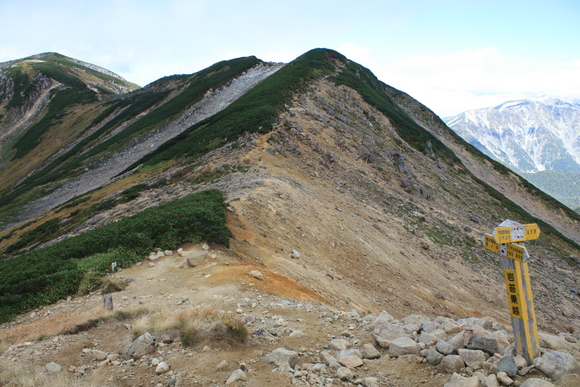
451,55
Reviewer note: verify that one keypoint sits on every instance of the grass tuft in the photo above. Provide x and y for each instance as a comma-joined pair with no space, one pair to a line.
113,285
194,326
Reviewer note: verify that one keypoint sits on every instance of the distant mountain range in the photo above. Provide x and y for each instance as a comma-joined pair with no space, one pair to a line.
530,136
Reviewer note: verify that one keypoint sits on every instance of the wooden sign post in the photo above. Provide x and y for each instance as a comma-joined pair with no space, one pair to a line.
517,280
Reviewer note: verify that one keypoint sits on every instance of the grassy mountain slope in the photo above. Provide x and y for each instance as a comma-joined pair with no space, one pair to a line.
86,132
385,204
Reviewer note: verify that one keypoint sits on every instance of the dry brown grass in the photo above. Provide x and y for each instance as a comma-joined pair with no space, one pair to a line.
48,326
193,325
15,375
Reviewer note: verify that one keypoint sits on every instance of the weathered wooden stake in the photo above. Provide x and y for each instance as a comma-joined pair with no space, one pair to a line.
108,301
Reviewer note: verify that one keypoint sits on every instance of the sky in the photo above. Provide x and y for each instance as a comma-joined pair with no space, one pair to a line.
450,55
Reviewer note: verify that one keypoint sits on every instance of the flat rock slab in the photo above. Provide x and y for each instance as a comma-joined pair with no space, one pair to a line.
351,361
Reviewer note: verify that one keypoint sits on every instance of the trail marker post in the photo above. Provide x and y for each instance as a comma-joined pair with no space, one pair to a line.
514,259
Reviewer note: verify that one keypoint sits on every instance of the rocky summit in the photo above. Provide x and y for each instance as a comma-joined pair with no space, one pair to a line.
262,224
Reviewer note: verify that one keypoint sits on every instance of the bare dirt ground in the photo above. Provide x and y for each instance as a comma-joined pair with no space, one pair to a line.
223,283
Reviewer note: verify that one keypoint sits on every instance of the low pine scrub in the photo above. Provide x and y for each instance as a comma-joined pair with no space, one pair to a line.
44,276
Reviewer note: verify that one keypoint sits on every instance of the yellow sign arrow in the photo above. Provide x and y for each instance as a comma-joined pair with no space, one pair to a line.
510,250
515,252
490,243
518,233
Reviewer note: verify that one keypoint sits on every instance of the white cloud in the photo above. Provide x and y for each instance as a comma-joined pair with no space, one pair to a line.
471,79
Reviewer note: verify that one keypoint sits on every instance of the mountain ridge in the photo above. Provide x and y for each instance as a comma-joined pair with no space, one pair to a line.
320,157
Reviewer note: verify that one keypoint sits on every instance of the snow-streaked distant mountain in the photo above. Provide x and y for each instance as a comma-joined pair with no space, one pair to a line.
528,135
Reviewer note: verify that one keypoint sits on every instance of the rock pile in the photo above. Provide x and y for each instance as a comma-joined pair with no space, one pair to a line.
465,352
476,351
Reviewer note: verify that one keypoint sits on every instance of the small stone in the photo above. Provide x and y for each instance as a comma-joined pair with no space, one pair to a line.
473,358
461,381
237,375
382,318
53,368
295,254
520,361
536,382
280,356
452,363
328,360
403,346
351,361
196,258
427,338
370,352
415,319
556,364
506,364
490,381
451,327
338,344
386,332
143,345
257,275
503,378
344,373
222,365
297,334
285,367
444,347
162,368
430,326
99,355
526,370
369,381
482,343
168,253
433,357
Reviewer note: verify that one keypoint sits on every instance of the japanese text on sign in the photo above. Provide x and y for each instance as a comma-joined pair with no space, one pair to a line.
517,233
513,287
515,252
490,243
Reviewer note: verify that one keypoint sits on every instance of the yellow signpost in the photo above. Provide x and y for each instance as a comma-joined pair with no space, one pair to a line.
510,250
516,233
517,281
